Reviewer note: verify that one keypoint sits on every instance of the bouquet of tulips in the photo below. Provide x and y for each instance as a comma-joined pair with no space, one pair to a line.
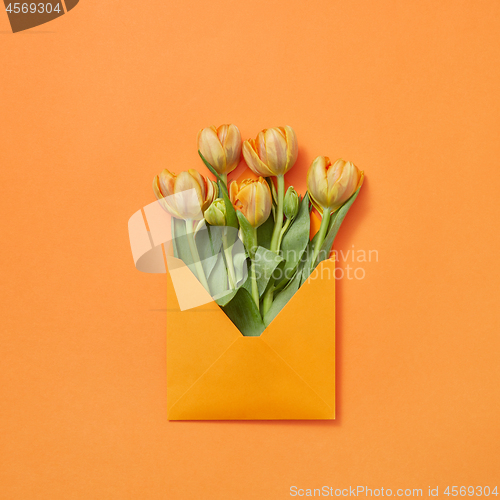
248,242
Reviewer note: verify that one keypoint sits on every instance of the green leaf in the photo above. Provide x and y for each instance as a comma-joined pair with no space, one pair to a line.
249,233
212,169
217,280
337,219
215,238
208,242
244,313
181,242
265,263
282,298
265,233
296,239
231,218
272,187
226,297
239,262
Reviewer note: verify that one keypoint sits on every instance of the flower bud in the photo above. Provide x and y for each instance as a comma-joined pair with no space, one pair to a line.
330,186
221,147
253,199
291,203
215,214
273,152
185,196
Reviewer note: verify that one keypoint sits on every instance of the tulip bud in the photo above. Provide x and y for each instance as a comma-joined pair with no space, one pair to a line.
253,199
185,196
291,204
221,147
215,214
273,152
330,186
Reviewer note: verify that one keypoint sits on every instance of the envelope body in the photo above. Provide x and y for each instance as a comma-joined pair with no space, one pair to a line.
215,373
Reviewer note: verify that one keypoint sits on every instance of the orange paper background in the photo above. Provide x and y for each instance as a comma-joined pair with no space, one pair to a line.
96,102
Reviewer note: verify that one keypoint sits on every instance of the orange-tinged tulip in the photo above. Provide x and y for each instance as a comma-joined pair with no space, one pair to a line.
253,199
221,147
185,196
331,185
273,152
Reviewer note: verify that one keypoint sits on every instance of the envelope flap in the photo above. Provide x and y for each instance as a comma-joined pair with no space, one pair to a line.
303,333
250,381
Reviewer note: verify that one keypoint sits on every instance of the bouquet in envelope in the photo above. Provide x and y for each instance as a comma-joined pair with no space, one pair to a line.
251,286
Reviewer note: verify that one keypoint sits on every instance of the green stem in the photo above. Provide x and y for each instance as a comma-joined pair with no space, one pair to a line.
283,231
253,278
196,256
276,239
224,179
278,223
325,221
229,260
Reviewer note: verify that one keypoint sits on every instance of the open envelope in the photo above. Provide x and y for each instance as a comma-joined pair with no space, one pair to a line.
215,373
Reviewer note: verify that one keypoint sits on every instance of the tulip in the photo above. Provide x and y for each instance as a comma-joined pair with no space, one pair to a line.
330,186
221,147
215,214
186,196
190,205
273,152
253,199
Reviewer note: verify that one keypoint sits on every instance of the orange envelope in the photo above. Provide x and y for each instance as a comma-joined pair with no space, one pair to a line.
215,373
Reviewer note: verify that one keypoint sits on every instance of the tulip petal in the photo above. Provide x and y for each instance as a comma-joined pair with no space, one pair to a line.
232,147
263,202
292,147
233,192
259,146
317,183
200,181
156,188
166,182
211,148
254,162
222,132
188,202
276,151
335,171
247,197
166,203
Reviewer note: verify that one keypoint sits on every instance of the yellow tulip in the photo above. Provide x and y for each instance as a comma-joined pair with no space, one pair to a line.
253,199
185,196
221,147
273,152
330,186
